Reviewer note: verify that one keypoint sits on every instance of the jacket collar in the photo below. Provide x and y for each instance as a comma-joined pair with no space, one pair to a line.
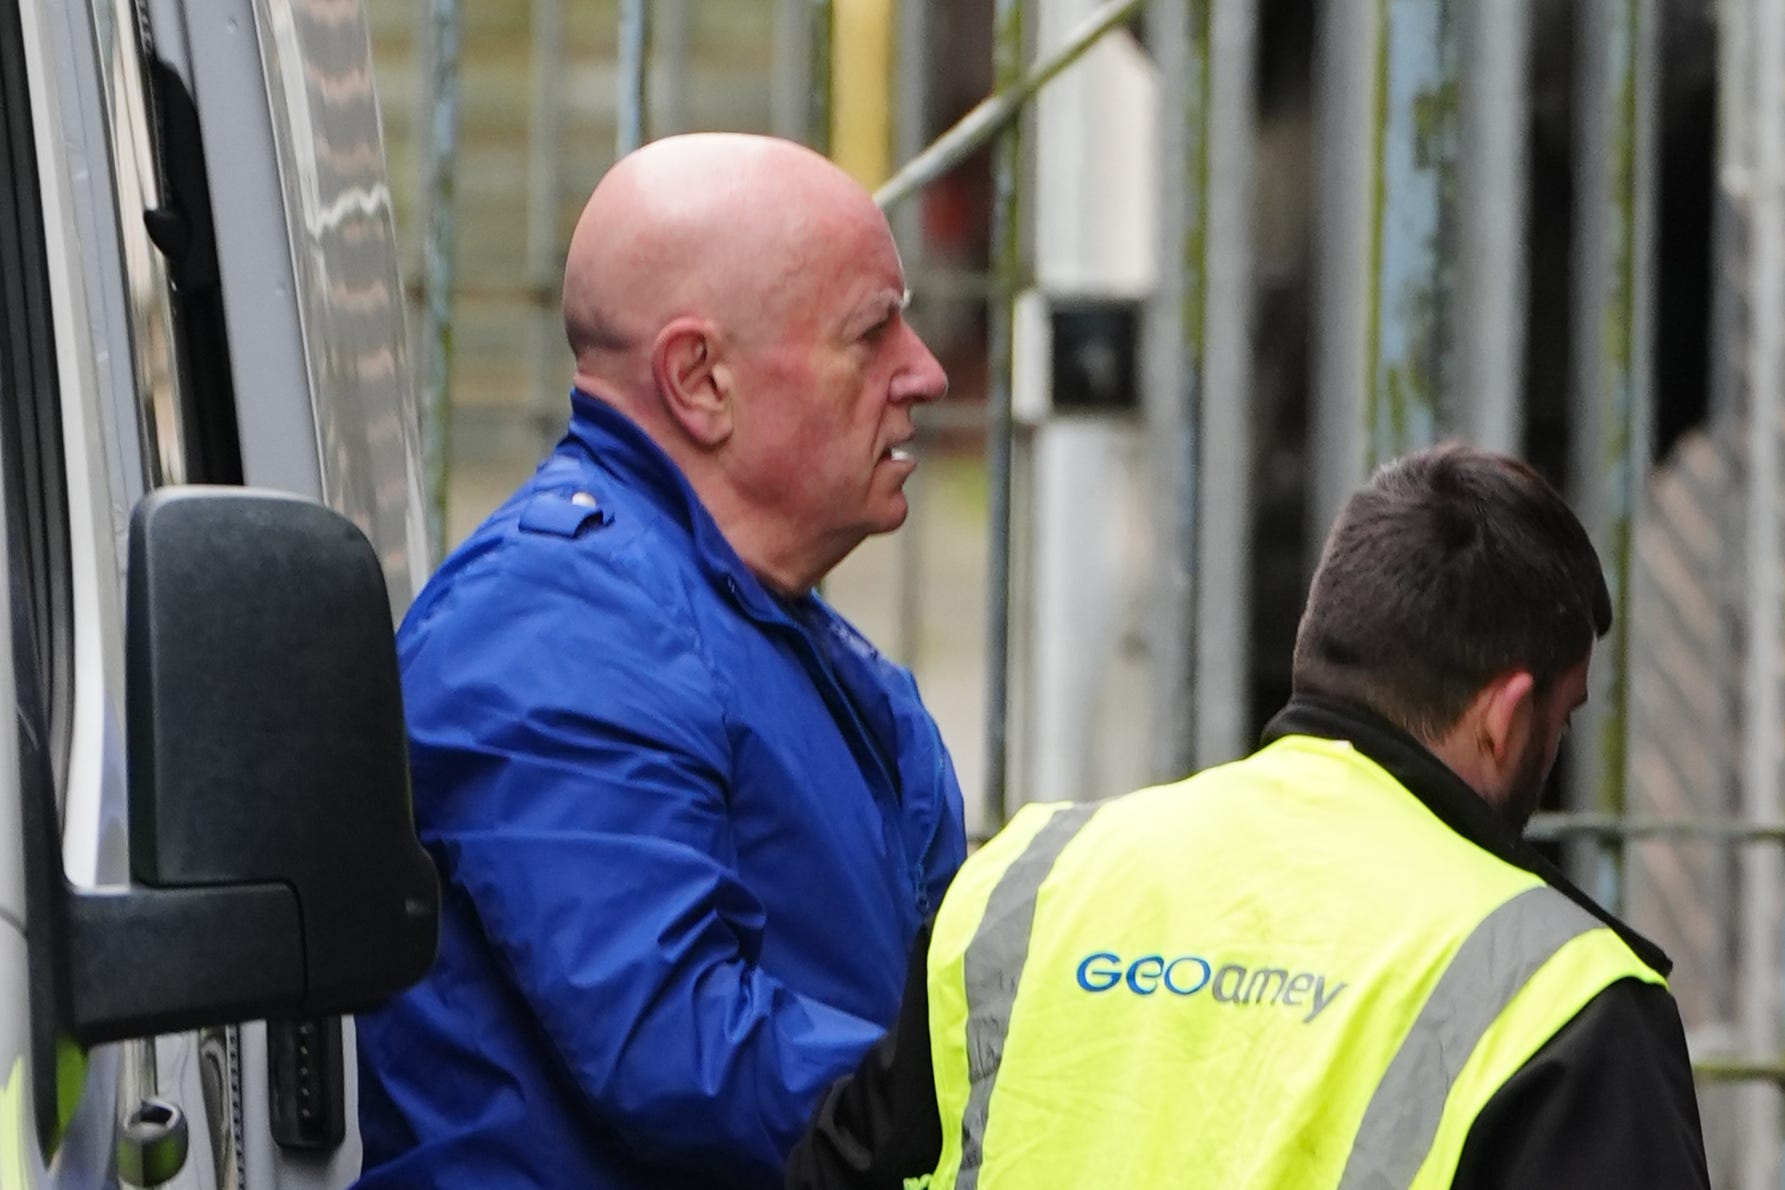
1445,794
622,449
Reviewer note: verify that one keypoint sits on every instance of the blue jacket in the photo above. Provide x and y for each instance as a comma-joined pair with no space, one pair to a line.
687,831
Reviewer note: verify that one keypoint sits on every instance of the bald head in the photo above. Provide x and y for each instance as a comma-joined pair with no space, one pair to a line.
741,300
716,226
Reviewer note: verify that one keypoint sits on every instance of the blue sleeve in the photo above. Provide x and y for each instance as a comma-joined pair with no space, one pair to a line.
571,761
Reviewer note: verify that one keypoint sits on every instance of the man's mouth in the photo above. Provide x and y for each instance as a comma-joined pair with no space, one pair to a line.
895,454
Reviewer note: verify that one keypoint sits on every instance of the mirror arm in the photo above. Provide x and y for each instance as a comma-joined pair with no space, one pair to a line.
135,955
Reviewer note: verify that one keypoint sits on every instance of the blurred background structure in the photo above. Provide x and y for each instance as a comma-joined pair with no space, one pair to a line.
1234,254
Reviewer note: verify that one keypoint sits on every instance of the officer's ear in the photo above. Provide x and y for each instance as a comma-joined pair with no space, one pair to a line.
692,380
1507,717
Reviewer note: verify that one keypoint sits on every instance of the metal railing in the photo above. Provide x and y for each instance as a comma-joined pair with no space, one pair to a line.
441,102
1016,85
635,92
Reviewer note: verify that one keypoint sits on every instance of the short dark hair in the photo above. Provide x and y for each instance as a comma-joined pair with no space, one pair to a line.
1449,567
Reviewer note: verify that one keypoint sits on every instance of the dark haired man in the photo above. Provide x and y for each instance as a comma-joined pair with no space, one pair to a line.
1332,964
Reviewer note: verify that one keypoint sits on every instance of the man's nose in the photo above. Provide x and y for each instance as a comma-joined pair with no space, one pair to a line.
922,379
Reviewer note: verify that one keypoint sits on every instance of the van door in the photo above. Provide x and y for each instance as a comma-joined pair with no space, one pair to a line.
221,304
68,346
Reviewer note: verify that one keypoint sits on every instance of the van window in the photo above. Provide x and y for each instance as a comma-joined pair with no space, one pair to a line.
170,256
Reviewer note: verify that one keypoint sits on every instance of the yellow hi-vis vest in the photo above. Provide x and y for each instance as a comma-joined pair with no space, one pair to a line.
1284,972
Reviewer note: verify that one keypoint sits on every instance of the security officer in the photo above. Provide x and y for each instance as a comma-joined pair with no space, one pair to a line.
1332,964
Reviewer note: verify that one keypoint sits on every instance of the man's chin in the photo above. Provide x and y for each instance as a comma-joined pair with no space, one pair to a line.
889,507
898,512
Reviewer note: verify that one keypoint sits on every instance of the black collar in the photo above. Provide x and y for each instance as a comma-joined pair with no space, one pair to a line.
1444,794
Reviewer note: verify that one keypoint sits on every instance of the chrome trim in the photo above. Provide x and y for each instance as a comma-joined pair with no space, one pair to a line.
317,58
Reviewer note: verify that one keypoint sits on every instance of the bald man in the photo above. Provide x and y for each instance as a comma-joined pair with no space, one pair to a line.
688,819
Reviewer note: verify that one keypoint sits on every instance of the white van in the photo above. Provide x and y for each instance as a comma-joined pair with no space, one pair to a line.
204,814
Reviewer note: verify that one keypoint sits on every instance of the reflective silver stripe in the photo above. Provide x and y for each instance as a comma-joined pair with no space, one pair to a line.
1489,969
993,967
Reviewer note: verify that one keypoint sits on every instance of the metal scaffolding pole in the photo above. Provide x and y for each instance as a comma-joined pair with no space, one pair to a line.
910,130
1612,400
1553,826
1754,153
787,99
912,104
544,130
1224,599
1346,82
1493,172
821,26
437,261
1007,266
1389,80
669,67
1413,235
997,111
633,111
1173,398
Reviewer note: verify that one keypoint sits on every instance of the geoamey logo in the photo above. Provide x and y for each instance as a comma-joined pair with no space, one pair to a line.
1188,975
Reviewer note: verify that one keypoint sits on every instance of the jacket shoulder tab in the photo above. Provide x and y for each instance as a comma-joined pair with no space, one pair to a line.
563,514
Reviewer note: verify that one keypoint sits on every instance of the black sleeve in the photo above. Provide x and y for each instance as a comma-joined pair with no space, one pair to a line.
878,1126
1607,1102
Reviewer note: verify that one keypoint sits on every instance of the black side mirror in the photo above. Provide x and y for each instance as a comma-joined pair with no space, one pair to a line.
273,853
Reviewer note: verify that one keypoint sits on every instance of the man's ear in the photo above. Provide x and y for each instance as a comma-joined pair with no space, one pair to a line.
692,381
1508,715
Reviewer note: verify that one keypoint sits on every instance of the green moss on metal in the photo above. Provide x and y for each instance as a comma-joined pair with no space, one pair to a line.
1434,123
821,31
1378,211
1196,226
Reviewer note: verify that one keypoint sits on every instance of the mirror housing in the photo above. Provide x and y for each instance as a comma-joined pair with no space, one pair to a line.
275,867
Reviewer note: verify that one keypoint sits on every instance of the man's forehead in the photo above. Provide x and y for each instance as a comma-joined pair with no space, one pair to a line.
849,268
861,269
